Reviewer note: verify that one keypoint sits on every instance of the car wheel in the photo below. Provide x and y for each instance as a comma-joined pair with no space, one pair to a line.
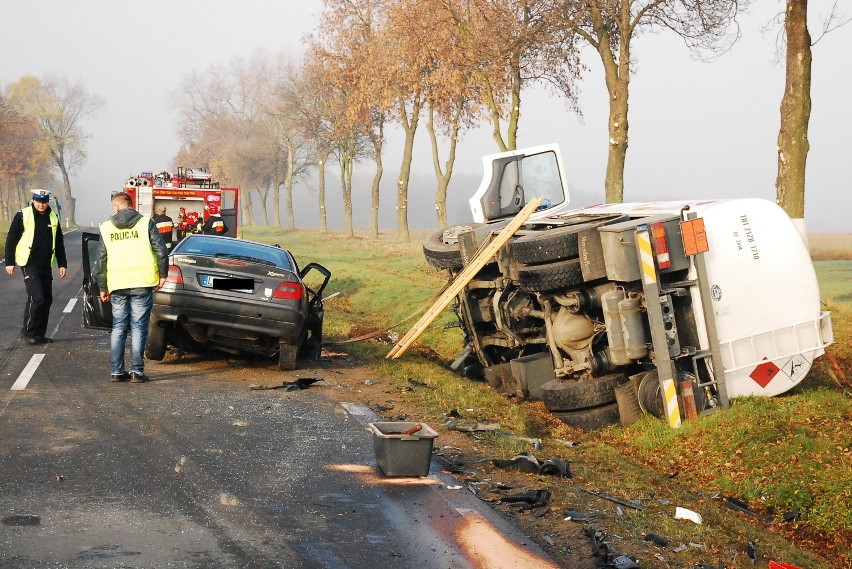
549,245
564,395
590,419
552,276
441,248
287,355
155,345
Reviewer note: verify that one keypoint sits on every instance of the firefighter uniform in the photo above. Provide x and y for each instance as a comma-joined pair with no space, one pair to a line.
165,227
214,226
35,244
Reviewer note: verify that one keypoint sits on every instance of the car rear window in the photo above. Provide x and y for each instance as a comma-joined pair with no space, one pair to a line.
218,247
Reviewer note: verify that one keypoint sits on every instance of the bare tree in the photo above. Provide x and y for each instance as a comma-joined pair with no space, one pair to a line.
58,108
609,27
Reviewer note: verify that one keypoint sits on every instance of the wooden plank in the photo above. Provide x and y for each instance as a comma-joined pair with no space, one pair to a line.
464,277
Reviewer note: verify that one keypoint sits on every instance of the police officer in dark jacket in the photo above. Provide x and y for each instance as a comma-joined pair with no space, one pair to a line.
35,244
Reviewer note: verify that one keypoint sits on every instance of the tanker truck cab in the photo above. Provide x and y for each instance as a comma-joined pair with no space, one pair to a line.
670,308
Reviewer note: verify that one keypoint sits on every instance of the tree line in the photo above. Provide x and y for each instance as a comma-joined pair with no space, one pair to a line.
443,65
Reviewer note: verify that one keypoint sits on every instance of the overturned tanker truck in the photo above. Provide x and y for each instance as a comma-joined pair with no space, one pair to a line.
609,311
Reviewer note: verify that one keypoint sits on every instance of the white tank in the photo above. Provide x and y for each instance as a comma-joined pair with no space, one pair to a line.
765,296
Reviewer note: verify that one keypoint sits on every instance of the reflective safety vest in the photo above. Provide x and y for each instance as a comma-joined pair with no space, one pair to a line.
25,243
131,262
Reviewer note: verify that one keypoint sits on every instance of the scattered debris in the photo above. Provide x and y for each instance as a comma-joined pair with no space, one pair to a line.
567,443
578,516
751,548
475,427
536,443
418,383
525,462
454,413
684,514
792,516
632,504
605,558
656,539
454,487
530,499
548,540
779,565
301,383
740,506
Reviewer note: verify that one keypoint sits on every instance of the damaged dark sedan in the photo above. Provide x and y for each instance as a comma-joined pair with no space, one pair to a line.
238,296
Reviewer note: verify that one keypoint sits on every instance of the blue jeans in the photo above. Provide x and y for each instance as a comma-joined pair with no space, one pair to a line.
131,310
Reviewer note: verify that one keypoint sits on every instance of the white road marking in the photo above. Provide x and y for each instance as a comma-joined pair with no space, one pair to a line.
26,375
70,306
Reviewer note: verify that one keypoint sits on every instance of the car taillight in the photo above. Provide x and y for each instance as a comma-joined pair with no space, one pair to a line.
175,276
288,291
658,230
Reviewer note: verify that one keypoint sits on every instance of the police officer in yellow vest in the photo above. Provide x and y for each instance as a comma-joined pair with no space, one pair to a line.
132,263
35,244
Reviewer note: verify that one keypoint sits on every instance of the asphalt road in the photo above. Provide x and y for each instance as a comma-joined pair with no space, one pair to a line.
196,470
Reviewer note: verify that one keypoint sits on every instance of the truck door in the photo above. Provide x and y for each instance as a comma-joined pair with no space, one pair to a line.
229,207
513,178
96,313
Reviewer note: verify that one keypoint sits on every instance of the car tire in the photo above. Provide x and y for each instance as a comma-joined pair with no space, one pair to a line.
590,419
441,254
552,276
565,395
155,345
287,356
548,245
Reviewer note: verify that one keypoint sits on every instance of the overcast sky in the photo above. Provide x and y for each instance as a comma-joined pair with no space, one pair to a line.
697,129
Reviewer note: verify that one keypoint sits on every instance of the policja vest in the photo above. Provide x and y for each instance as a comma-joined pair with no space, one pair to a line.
131,263
25,243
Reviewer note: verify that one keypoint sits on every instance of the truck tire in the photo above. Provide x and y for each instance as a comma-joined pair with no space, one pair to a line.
564,395
552,276
287,356
548,245
155,345
590,419
441,248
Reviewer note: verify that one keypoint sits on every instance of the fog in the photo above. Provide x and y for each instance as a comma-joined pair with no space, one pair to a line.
697,129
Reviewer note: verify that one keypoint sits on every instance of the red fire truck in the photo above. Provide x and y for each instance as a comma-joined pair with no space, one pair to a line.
190,197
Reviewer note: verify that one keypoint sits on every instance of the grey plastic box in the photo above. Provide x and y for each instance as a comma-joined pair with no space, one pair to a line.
403,455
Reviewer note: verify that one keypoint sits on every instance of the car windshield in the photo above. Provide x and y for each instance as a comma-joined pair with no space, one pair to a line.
234,248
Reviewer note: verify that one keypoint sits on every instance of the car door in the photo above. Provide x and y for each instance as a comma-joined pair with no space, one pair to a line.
96,313
513,178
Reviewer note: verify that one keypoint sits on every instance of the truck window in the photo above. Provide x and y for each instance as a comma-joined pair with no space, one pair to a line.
540,177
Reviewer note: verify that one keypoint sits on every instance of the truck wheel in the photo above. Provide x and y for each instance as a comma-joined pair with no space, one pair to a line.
548,245
552,276
441,248
590,419
287,356
155,345
565,395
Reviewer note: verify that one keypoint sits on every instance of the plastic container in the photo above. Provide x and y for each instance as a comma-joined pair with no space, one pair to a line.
398,454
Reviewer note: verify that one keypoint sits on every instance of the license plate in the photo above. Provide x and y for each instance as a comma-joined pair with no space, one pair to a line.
206,280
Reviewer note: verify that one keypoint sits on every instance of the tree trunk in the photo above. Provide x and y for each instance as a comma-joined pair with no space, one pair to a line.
70,202
617,74
793,143
345,161
276,199
444,175
288,188
409,124
322,211
248,214
374,191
